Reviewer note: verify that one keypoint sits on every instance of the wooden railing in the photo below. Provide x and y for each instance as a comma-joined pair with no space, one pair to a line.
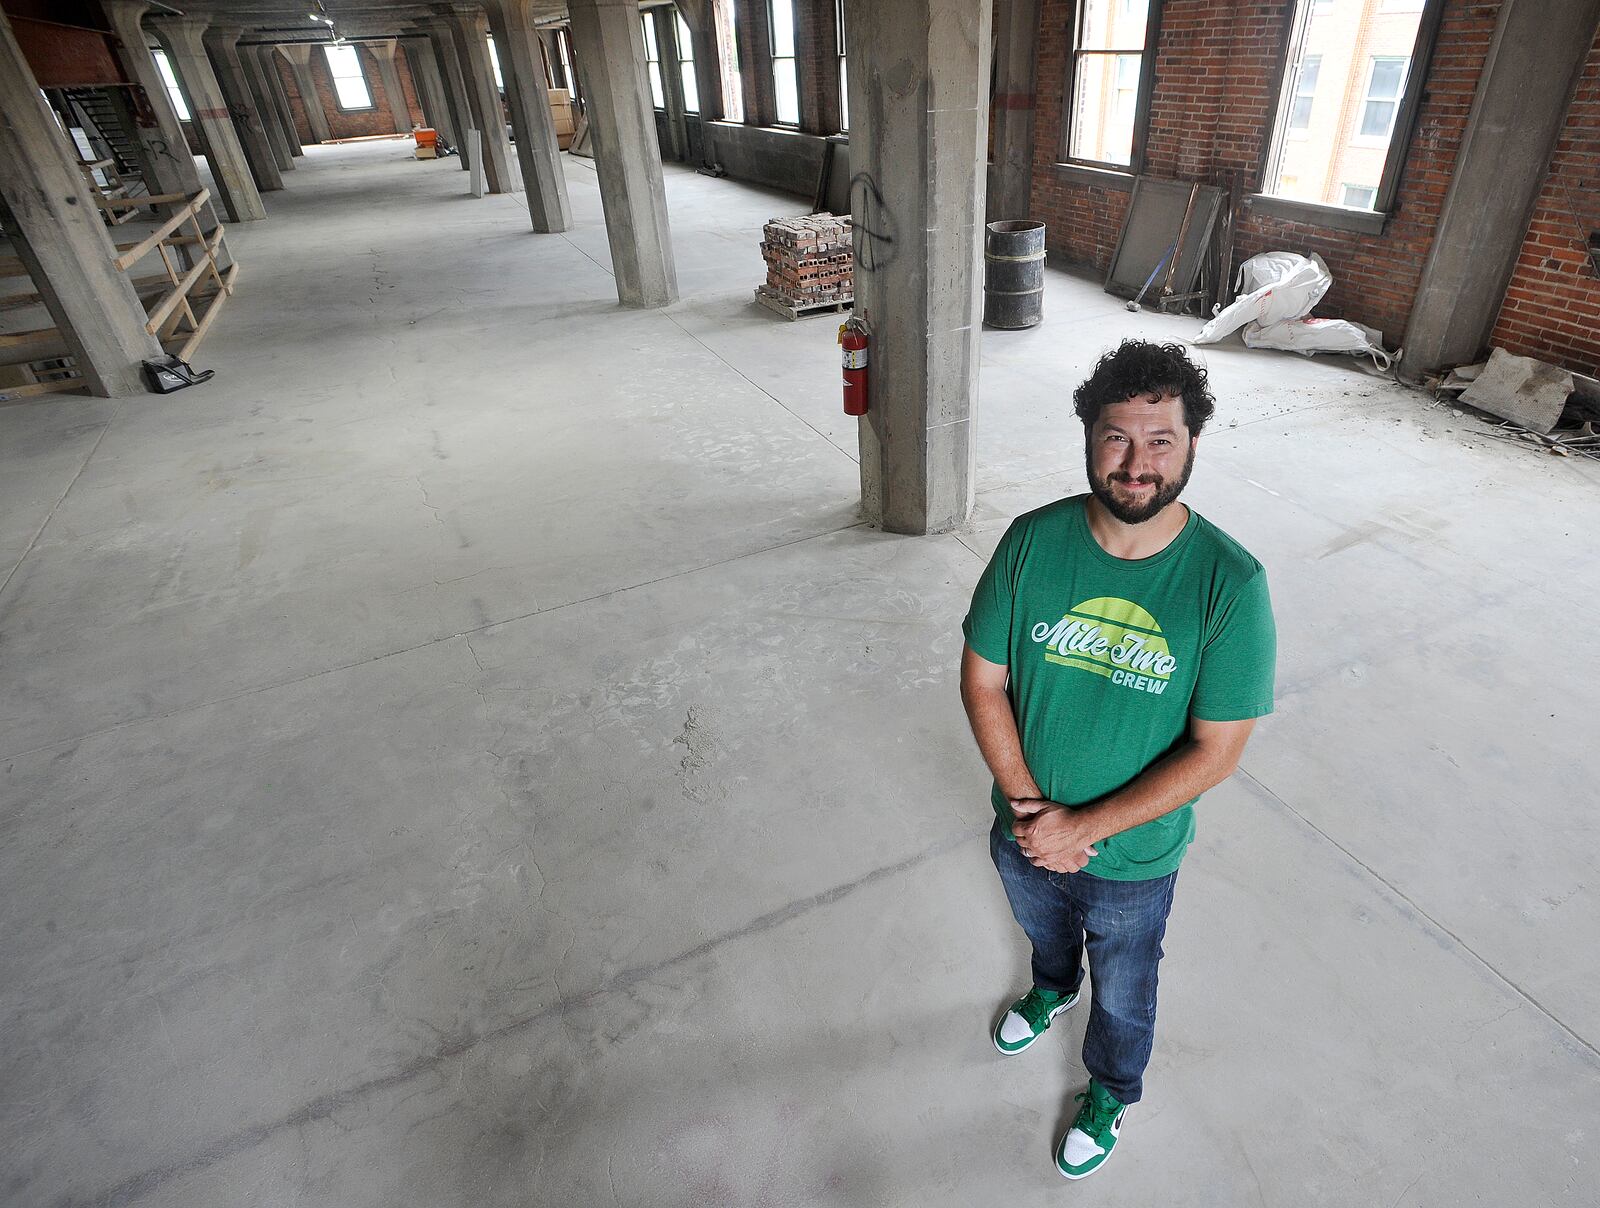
181,304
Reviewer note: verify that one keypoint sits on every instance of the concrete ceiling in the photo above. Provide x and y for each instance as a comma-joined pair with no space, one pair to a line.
290,20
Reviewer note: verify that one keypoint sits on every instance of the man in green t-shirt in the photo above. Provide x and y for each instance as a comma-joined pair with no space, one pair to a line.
1119,649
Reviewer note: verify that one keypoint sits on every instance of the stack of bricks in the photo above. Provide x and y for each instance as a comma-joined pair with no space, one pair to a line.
808,260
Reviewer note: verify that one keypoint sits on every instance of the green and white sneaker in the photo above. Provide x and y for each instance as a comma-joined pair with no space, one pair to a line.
1029,1017
1093,1134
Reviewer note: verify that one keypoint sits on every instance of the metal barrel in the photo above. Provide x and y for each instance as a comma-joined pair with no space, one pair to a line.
1013,277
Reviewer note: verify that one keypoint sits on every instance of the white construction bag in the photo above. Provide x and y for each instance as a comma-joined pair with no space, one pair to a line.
1272,287
1276,293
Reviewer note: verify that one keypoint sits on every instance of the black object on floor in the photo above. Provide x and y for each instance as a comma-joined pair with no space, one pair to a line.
168,373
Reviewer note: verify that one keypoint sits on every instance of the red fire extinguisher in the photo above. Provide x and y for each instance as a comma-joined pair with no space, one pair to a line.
853,340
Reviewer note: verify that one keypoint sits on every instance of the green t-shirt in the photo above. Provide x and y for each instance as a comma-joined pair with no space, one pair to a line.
1110,657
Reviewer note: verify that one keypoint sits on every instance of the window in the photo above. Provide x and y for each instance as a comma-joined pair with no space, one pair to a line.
1359,197
349,81
1108,64
494,65
691,90
565,55
171,81
1305,91
724,18
652,62
1348,92
785,80
844,75
1386,78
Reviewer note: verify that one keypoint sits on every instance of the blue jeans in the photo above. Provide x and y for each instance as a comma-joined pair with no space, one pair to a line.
1121,924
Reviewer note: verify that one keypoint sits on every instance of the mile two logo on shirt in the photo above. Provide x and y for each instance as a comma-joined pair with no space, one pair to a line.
1110,637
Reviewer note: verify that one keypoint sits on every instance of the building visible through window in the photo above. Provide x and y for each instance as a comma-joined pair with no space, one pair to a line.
785,80
1107,67
691,90
652,62
1345,82
171,81
349,81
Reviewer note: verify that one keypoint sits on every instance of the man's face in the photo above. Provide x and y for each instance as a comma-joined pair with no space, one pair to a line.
1139,456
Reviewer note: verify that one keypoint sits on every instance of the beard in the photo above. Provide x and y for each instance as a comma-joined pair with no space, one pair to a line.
1137,511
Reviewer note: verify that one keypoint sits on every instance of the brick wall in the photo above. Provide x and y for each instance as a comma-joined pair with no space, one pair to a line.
1552,309
1215,84
342,124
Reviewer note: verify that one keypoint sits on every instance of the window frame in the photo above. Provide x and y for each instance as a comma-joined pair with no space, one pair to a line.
655,77
1141,107
169,77
684,37
842,69
333,78
1370,222
792,58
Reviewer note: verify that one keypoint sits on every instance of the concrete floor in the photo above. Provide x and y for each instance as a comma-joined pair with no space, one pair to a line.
468,753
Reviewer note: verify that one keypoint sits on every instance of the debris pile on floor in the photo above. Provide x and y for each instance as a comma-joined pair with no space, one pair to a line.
808,262
1538,404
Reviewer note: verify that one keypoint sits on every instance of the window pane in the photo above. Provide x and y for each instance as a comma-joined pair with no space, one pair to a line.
691,90
1114,24
844,95
171,82
658,96
788,93
494,63
566,63
1103,110
1387,76
349,83
1348,66
650,51
782,29
685,41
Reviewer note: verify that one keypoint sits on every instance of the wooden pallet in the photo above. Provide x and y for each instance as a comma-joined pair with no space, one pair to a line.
804,310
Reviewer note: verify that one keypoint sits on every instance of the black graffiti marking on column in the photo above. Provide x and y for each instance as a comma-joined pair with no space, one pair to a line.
876,230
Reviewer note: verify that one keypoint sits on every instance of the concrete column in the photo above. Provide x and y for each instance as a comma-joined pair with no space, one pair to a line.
222,41
59,236
208,110
538,153
261,93
425,74
383,52
919,77
1016,36
608,43
300,64
1534,61
469,28
268,57
166,150
451,84
666,24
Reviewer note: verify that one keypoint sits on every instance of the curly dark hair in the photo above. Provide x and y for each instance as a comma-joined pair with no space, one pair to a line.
1138,367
